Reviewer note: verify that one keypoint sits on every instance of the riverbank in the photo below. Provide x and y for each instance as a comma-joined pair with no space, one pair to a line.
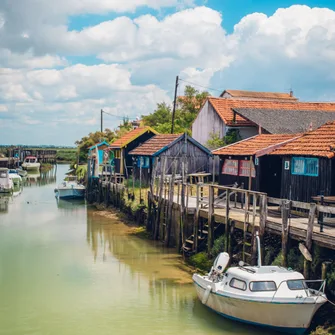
136,215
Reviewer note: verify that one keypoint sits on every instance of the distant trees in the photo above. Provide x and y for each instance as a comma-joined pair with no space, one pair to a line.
188,108
215,141
93,138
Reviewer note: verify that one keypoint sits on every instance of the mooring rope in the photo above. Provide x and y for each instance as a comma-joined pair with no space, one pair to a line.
330,302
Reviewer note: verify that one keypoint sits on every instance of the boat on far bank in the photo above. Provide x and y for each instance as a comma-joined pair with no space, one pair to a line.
21,172
70,189
15,177
268,296
6,183
30,163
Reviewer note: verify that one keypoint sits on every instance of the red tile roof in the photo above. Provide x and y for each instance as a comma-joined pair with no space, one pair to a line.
260,95
224,108
131,136
155,144
318,143
258,145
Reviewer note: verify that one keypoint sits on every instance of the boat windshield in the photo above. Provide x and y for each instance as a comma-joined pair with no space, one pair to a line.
3,174
260,286
296,285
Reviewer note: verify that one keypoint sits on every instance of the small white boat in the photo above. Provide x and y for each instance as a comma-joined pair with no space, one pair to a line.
15,177
21,172
30,163
70,189
6,183
268,296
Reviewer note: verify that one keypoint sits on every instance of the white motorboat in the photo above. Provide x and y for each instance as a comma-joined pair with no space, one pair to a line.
70,189
21,172
15,177
268,296
6,183
30,163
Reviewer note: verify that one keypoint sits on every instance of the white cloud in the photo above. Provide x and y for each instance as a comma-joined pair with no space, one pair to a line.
294,47
3,109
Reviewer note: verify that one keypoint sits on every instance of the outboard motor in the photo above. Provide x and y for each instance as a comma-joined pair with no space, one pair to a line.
219,266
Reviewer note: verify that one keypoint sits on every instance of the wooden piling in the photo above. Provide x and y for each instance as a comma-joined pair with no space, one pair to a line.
285,231
253,231
196,220
324,270
309,237
262,222
182,204
210,241
160,199
170,205
227,237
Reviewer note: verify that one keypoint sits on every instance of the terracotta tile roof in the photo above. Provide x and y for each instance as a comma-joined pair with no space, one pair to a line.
155,144
258,145
131,136
224,108
318,143
260,95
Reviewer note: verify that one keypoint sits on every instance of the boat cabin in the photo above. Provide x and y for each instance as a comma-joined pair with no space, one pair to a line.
30,159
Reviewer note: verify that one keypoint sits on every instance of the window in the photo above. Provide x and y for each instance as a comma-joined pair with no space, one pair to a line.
245,169
260,286
296,285
305,166
230,166
143,162
238,284
118,154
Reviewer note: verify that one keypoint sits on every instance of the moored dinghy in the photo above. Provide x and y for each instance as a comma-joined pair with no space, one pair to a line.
269,296
70,189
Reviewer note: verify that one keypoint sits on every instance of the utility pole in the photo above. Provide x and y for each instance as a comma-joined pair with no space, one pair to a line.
174,104
102,120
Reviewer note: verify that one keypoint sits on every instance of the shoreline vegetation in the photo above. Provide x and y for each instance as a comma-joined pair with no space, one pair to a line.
132,209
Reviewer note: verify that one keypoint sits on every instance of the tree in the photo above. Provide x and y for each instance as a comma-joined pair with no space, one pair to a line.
215,141
188,108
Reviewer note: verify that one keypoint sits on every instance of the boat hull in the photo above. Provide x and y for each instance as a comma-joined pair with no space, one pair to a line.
72,193
294,318
31,166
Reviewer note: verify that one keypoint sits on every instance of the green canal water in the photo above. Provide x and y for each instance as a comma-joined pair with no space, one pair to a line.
67,270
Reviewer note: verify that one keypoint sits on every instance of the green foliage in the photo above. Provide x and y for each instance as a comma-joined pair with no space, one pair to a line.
201,261
331,277
295,260
188,108
215,141
219,246
322,331
97,137
66,155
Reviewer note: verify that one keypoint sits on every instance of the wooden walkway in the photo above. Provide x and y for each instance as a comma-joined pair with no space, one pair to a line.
297,226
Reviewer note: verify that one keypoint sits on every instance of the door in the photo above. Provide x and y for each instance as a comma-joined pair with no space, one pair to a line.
270,179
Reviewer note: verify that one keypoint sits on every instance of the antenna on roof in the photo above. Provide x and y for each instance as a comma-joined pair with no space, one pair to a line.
291,92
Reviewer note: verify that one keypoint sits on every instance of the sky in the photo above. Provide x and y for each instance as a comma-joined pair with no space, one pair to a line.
63,61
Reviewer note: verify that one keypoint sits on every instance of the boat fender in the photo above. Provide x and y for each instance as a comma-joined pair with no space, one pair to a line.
206,294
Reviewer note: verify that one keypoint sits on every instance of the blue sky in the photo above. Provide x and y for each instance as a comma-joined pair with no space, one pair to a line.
61,62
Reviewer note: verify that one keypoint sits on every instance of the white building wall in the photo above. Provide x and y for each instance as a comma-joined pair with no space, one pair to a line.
246,132
207,122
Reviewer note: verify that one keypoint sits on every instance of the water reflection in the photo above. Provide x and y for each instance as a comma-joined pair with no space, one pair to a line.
4,200
40,178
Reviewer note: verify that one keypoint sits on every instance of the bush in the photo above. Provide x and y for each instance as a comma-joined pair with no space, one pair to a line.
219,246
201,261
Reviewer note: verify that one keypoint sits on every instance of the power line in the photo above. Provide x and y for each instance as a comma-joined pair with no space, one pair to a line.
209,88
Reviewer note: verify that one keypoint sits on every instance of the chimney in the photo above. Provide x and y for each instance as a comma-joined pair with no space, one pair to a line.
310,126
259,129
291,93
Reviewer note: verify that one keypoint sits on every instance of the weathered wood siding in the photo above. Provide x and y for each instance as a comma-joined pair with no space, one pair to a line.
207,122
302,188
197,160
